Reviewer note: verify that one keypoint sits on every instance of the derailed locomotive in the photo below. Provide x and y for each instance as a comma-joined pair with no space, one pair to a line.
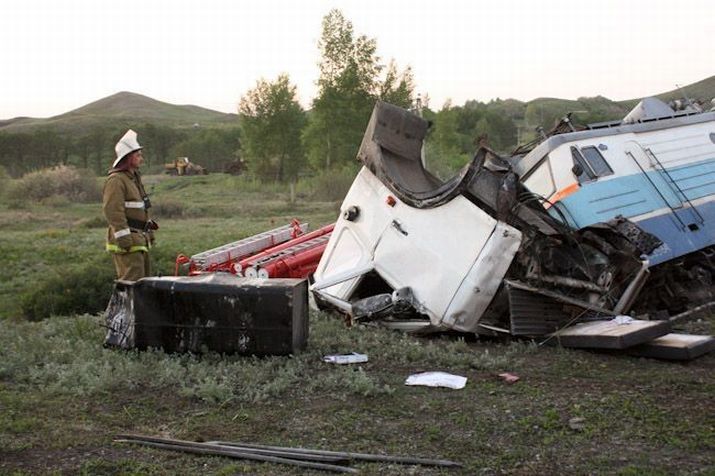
583,225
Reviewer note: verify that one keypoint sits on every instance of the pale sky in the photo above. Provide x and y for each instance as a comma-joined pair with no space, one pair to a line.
57,55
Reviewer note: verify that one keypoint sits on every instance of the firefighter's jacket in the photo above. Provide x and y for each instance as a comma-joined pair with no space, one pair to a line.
125,209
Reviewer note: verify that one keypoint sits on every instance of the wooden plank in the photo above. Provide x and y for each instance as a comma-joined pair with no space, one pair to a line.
675,347
610,334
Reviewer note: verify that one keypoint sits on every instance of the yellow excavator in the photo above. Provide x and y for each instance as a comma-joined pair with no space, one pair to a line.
183,166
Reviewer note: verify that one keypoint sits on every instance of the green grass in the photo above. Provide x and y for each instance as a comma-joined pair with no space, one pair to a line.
63,396
41,241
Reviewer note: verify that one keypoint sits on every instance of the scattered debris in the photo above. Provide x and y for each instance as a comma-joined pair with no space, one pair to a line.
577,423
352,358
307,458
622,320
675,347
694,313
437,379
616,333
509,377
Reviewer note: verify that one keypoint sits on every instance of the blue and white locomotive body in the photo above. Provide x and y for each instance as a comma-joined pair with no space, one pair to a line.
658,172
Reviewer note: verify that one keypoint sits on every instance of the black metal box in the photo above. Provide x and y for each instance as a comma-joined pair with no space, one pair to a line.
215,312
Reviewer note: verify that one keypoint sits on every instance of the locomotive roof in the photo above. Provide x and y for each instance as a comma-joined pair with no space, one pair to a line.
523,164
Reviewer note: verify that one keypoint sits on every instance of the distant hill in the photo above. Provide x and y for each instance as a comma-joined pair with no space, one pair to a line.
124,109
546,111
703,90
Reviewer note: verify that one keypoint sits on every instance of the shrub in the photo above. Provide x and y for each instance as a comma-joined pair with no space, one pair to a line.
63,180
4,180
330,185
74,290
167,208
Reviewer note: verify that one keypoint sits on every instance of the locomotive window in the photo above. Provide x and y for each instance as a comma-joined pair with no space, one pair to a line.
598,164
590,163
581,169
540,180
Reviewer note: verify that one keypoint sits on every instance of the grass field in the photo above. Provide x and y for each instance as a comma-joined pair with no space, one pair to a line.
63,396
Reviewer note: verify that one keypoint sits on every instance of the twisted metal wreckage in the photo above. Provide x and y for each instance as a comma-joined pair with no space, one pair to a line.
526,245
478,253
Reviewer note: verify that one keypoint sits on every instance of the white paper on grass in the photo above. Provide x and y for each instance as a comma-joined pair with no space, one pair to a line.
353,358
437,379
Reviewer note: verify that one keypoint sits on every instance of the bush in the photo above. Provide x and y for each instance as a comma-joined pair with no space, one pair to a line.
64,181
167,208
74,290
330,185
4,180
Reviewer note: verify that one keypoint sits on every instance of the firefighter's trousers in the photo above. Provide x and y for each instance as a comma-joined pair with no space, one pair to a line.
132,266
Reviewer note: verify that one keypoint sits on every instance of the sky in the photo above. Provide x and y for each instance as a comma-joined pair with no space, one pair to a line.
58,55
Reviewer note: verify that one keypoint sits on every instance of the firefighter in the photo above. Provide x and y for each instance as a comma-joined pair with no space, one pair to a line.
126,208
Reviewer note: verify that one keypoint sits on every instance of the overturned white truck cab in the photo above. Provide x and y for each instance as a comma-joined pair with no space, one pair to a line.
478,253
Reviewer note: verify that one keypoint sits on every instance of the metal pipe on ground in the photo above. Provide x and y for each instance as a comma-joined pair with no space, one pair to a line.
251,449
353,456
214,450
285,454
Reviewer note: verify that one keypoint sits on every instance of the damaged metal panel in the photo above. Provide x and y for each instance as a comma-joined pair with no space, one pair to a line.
215,312
483,279
391,150
675,347
611,334
537,312
420,249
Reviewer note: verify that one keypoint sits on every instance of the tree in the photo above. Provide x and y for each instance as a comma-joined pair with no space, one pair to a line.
158,140
348,86
271,124
499,130
347,89
101,144
444,152
398,89
213,149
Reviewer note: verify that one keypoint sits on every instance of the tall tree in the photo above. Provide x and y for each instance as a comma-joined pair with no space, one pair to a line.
271,124
398,88
347,89
101,144
444,153
158,140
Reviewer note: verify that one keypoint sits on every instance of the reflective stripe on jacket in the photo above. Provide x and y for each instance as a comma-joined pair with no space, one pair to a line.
115,249
122,198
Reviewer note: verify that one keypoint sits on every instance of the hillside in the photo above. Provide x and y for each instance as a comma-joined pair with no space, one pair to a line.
703,90
122,109
546,111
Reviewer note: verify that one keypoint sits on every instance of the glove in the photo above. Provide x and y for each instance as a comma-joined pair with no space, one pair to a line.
125,242
151,237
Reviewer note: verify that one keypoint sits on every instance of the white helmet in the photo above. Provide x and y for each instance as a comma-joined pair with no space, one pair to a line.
126,145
